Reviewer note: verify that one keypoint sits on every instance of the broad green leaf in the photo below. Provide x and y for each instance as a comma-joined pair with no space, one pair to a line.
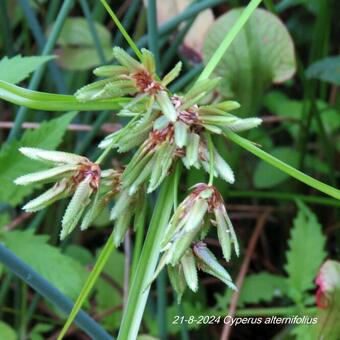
265,176
14,164
262,53
109,294
80,254
260,287
61,270
290,156
279,104
18,68
54,102
327,69
306,253
37,332
73,58
77,48
7,332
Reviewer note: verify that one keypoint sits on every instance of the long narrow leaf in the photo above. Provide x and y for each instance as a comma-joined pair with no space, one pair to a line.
90,282
54,102
310,181
241,21
140,287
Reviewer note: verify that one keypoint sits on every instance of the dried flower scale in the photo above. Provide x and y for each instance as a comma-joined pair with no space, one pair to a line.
165,128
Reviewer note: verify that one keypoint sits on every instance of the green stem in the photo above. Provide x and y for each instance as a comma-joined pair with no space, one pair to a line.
180,313
33,306
127,21
23,311
52,11
219,53
30,15
176,182
153,41
186,78
139,226
140,286
91,280
54,102
310,181
92,28
172,51
122,29
211,159
37,76
161,305
270,6
5,27
5,286
50,293
284,196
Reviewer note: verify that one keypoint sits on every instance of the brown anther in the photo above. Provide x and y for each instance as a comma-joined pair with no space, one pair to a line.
146,83
157,137
188,116
214,201
88,169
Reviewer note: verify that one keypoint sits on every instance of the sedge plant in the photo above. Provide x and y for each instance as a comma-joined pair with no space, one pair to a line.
164,130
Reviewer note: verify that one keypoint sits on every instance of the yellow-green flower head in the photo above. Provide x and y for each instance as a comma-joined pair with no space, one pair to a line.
130,77
73,175
203,207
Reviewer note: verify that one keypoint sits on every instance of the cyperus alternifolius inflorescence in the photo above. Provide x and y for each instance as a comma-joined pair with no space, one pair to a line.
183,248
164,128
73,175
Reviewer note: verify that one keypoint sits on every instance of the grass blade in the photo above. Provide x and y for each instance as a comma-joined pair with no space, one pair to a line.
139,290
241,21
310,181
153,41
122,29
90,282
53,102
37,76
53,295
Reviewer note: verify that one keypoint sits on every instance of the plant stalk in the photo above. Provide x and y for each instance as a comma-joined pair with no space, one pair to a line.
141,281
91,280
219,53
37,76
53,295
310,181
